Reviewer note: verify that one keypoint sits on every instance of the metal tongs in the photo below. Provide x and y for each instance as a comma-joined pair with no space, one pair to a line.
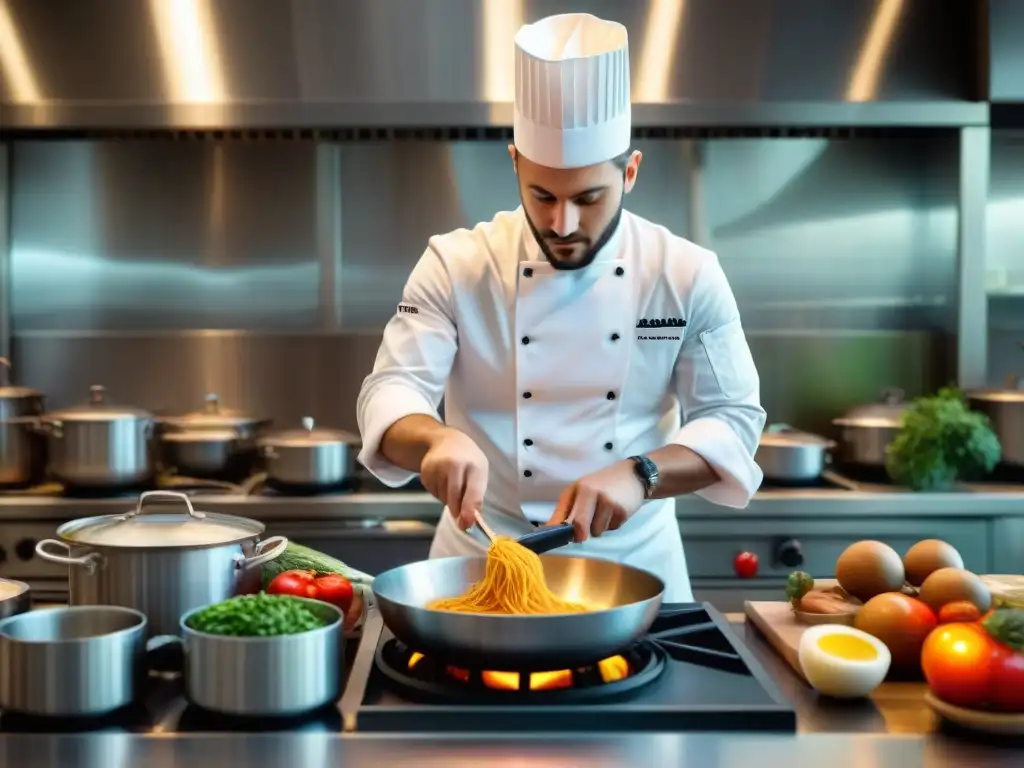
540,541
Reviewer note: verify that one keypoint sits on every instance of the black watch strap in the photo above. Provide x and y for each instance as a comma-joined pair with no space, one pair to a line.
647,471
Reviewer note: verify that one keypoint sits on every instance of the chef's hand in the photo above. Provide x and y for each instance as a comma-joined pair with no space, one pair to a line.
601,501
454,471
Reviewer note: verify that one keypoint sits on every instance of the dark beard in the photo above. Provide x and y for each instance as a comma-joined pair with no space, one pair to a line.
588,256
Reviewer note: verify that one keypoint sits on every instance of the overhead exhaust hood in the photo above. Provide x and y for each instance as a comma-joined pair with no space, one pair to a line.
329,64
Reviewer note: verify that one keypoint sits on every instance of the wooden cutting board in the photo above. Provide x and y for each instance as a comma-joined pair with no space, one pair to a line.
776,622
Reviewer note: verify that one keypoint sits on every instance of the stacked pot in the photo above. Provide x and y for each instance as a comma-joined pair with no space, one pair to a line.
22,447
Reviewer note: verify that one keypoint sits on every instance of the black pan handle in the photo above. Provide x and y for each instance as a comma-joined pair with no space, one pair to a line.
546,539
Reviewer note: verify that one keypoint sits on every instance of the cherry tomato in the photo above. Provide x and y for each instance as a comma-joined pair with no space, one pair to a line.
964,665
745,565
961,610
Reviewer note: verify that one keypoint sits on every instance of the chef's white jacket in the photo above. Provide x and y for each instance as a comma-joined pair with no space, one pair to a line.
555,374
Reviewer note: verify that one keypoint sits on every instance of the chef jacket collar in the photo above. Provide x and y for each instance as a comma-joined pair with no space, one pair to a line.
531,252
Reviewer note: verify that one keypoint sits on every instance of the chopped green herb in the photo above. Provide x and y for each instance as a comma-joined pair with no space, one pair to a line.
259,615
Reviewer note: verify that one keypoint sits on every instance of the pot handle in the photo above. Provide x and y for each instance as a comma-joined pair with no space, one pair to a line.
89,562
175,495
276,545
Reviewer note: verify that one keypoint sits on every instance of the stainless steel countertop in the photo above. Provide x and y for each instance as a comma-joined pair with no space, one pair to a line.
893,728
978,501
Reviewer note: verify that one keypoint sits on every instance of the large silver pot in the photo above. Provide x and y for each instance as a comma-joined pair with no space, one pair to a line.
625,601
865,431
22,447
83,661
163,564
786,455
265,676
214,443
99,444
310,458
1005,409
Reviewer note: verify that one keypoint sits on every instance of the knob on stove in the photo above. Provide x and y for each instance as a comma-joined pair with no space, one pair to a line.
25,549
790,553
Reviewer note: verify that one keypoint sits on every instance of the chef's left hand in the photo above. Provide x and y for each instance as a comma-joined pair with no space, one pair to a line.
601,501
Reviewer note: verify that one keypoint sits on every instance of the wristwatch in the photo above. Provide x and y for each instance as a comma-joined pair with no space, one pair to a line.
647,471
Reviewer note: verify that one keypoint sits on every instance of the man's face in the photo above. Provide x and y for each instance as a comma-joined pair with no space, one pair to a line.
573,211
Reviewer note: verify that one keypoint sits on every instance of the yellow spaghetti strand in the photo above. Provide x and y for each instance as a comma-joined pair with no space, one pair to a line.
513,583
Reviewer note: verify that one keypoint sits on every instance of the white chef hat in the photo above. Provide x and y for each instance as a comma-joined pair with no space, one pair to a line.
572,91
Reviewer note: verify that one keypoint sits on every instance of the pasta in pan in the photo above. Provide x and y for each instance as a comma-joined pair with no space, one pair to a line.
513,583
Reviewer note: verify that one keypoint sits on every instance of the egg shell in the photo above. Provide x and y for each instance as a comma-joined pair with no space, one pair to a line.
837,676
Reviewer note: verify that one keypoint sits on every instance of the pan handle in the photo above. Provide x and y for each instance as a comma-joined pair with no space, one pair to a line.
549,538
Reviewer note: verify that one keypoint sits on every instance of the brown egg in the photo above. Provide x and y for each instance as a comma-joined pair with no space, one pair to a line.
950,585
928,556
869,568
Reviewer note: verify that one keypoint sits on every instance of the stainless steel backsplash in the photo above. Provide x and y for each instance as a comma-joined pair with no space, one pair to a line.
265,271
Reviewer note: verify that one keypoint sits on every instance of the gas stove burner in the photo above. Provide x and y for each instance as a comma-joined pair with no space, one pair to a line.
428,679
688,633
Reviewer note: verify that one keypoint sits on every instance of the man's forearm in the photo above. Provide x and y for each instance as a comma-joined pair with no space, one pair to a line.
680,471
406,441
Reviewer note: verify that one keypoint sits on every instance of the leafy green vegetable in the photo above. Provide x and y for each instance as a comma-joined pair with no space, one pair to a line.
940,442
299,558
259,615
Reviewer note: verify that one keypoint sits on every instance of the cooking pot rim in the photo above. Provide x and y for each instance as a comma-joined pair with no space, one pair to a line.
251,530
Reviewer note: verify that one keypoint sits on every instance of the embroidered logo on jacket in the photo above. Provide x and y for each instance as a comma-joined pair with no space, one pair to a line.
407,310
661,322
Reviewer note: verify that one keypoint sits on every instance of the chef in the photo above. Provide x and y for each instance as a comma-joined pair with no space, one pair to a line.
593,365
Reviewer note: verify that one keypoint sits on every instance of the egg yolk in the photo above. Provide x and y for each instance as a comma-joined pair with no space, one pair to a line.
848,647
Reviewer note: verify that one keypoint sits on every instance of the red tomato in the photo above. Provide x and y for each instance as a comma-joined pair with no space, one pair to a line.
965,665
745,565
961,610
956,660
296,583
336,590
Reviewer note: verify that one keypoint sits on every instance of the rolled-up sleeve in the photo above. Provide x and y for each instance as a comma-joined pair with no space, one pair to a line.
413,364
719,390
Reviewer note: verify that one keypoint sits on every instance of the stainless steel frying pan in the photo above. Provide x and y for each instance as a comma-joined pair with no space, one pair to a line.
626,602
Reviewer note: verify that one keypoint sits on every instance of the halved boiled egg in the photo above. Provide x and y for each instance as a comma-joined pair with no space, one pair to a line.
842,661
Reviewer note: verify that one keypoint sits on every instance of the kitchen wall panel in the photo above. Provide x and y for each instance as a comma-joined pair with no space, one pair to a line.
1005,252
265,271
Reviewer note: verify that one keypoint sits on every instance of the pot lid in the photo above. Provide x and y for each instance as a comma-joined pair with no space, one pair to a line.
99,408
7,390
212,416
1014,392
309,434
175,528
200,436
883,414
783,435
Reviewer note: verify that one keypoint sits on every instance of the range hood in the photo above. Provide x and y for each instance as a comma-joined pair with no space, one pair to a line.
324,64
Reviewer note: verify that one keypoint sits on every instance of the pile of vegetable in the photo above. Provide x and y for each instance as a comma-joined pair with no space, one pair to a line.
304,572
978,664
940,442
259,615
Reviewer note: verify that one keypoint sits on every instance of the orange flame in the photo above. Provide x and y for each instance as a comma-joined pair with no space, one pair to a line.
611,670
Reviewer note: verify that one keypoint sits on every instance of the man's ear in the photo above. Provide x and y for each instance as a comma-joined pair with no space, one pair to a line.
632,169
514,156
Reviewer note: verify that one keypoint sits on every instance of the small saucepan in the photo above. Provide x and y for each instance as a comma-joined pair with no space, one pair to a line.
790,457
310,459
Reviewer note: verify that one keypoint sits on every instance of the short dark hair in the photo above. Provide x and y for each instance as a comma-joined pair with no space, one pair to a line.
621,161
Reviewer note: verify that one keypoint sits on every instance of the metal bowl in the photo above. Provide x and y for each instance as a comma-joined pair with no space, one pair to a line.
15,598
81,661
265,676
625,601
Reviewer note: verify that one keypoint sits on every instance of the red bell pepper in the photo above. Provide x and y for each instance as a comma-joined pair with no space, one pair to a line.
331,588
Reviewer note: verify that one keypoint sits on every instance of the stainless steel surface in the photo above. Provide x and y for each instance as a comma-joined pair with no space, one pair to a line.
6,178
310,457
785,454
626,601
161,580
1006,60
72,661
270,676
22,447
167,311
99,444
15,598
333,63
972,303
213,443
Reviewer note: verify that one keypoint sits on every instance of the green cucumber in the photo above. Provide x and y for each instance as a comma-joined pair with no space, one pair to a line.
299,558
